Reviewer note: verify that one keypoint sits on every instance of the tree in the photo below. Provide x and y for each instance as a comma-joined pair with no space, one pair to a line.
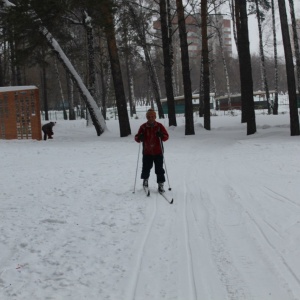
128,63
296,43
189,118
260,17
109,29
205,62
166,44
218,27
139,25
248,114
31,27
275,106
294,118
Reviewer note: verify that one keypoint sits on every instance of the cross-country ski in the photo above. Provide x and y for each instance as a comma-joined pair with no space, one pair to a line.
166,198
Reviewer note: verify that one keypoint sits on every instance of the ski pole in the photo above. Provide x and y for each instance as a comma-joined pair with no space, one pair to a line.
162,150
137,164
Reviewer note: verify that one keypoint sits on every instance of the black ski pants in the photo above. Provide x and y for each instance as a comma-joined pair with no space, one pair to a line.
158,161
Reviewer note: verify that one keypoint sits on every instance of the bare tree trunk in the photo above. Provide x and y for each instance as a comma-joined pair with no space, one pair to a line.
296,43
205,57
70,93
130,85
234,21
104,83
45,94
166,42
61,90
171,48
294,118
275,106
12,59
201,92
109,29
245,65
128,69
189,118
87,22
220,37
262,58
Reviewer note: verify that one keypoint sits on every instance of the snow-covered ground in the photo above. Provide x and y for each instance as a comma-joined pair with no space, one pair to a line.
72,228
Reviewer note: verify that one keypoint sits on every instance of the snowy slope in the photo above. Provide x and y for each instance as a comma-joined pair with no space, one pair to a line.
72,229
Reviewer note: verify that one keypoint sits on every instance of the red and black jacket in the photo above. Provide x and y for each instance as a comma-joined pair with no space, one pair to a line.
151,142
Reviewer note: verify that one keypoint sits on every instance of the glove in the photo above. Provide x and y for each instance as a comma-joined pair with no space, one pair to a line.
159,134
141,137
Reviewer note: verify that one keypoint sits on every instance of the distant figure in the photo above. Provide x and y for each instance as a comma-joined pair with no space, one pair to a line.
48,130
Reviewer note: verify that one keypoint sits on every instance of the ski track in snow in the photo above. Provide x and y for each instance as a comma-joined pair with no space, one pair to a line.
230,280
258,229
69,233
155,253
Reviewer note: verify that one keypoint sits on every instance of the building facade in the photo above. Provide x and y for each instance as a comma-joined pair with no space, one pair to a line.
193,28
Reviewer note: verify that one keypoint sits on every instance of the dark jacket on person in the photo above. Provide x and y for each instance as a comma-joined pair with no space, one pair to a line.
47,128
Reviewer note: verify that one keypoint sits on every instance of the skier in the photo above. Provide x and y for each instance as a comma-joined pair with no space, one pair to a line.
151,134
48,130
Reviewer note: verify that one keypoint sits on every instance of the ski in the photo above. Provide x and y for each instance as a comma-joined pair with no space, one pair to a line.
166,198
147,191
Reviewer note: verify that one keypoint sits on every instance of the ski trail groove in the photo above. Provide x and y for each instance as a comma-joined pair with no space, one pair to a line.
229,275
279,258
188,247
135,277
280,197
259,228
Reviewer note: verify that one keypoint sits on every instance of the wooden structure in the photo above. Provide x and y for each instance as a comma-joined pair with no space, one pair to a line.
20,113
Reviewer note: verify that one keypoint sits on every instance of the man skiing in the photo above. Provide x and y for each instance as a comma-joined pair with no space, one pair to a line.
48,130
151,134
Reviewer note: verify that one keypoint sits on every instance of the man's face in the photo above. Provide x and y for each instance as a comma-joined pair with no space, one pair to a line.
151,118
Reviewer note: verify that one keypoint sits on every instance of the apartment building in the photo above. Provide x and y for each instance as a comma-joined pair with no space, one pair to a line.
193,28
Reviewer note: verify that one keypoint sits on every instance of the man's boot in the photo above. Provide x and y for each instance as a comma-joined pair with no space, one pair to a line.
161,187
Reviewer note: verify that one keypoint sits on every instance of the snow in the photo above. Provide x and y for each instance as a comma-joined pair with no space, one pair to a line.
17,88
72,228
